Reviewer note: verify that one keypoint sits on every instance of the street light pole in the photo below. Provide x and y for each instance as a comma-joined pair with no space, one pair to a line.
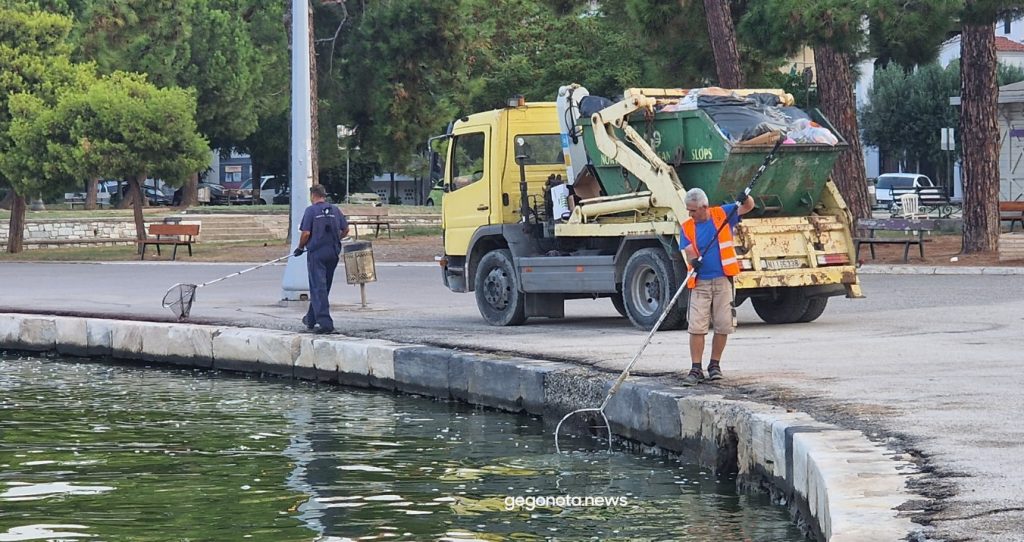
345,132
295,283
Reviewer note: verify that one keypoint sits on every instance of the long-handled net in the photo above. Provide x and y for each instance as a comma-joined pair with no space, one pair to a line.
179,298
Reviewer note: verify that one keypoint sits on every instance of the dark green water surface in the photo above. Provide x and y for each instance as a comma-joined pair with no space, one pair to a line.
92,451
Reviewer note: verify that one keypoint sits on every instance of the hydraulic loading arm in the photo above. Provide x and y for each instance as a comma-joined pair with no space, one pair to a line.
659,177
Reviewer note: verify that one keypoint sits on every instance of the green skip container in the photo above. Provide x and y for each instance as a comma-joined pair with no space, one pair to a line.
704,158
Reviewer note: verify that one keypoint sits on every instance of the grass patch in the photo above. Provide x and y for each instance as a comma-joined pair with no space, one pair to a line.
419,231
204,252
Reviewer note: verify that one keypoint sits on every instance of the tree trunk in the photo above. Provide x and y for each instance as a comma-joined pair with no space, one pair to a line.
393,187
90,194
257,184
314,111
723,43
190,192
16,228
980,137
135,194
835,93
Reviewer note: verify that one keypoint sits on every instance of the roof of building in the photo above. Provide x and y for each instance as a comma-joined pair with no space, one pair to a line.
1006,45
1012,93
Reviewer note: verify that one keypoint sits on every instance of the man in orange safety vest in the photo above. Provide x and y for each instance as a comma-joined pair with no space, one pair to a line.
711,288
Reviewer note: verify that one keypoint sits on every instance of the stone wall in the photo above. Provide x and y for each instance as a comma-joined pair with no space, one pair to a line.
73,232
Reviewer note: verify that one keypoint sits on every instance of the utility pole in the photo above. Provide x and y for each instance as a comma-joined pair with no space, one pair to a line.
295,284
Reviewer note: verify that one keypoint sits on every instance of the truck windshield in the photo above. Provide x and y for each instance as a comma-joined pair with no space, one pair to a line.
542,149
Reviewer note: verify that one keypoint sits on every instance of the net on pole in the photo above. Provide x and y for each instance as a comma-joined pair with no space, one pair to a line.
179,299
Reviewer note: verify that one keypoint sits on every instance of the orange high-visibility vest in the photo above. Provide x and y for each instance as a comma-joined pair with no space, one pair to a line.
726,246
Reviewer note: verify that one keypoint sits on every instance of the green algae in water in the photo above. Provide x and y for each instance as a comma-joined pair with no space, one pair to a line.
94,451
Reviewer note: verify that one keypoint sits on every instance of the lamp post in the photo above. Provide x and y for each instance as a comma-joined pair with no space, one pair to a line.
295,283
345,132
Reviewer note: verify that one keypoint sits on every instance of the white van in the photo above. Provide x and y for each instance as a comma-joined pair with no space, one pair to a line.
887,181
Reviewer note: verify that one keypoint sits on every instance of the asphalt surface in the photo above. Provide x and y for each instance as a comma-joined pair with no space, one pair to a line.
928,363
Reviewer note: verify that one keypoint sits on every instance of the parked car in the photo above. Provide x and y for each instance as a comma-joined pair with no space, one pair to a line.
270,186
887,181
154,196
436,193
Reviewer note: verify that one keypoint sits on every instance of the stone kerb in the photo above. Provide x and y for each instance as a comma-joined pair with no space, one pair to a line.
839,484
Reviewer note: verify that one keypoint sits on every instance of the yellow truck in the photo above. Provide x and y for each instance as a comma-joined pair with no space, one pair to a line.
583,198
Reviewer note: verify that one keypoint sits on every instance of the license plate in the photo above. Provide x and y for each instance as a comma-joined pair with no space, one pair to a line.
781,264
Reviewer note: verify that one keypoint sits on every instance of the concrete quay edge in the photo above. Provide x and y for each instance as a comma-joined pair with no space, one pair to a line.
839,485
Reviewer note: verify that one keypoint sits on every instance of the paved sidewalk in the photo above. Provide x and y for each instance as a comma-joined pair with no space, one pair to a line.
929,362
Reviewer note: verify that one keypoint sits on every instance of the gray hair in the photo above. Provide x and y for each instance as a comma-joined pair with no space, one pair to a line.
696,196
318,190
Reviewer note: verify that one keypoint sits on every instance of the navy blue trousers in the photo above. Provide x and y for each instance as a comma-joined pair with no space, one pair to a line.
321,265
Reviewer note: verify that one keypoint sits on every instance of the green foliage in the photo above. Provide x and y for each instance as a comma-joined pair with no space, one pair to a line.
35,69
271,68
538,51
128,127
783,27
907,111
911,31
144,36
205,45
398,83
224,71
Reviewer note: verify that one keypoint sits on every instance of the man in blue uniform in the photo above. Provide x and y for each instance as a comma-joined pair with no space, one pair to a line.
323,226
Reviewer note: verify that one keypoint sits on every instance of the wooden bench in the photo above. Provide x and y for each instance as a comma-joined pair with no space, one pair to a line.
169,234
1012,212
370,217
913,231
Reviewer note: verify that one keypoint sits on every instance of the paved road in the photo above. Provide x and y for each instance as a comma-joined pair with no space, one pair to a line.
931,363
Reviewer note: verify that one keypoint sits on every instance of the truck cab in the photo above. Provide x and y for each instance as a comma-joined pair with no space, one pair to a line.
480,180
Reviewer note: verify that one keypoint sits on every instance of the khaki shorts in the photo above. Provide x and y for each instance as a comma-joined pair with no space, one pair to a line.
711,302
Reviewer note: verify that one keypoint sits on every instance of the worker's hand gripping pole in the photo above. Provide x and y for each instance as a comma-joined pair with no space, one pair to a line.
657,325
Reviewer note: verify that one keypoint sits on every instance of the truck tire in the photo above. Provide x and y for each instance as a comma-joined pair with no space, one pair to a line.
648,284
619,304
498,297
788,307
815,306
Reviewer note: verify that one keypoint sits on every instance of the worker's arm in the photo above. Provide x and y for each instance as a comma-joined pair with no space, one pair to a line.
689,252
746,206
303,240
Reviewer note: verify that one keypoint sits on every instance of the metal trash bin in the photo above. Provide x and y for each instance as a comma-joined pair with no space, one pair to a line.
359,266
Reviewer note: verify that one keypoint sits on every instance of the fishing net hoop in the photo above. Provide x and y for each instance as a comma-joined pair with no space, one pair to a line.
179,299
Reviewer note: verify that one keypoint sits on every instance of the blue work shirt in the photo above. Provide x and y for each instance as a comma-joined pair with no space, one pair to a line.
711,265
324,222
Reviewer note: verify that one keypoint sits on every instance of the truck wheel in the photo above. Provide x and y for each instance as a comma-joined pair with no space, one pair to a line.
648,284
815,306
787,307
619,304
497,290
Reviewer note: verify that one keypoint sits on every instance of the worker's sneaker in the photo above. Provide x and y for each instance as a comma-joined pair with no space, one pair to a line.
696,376
324,330
714,372
308,324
